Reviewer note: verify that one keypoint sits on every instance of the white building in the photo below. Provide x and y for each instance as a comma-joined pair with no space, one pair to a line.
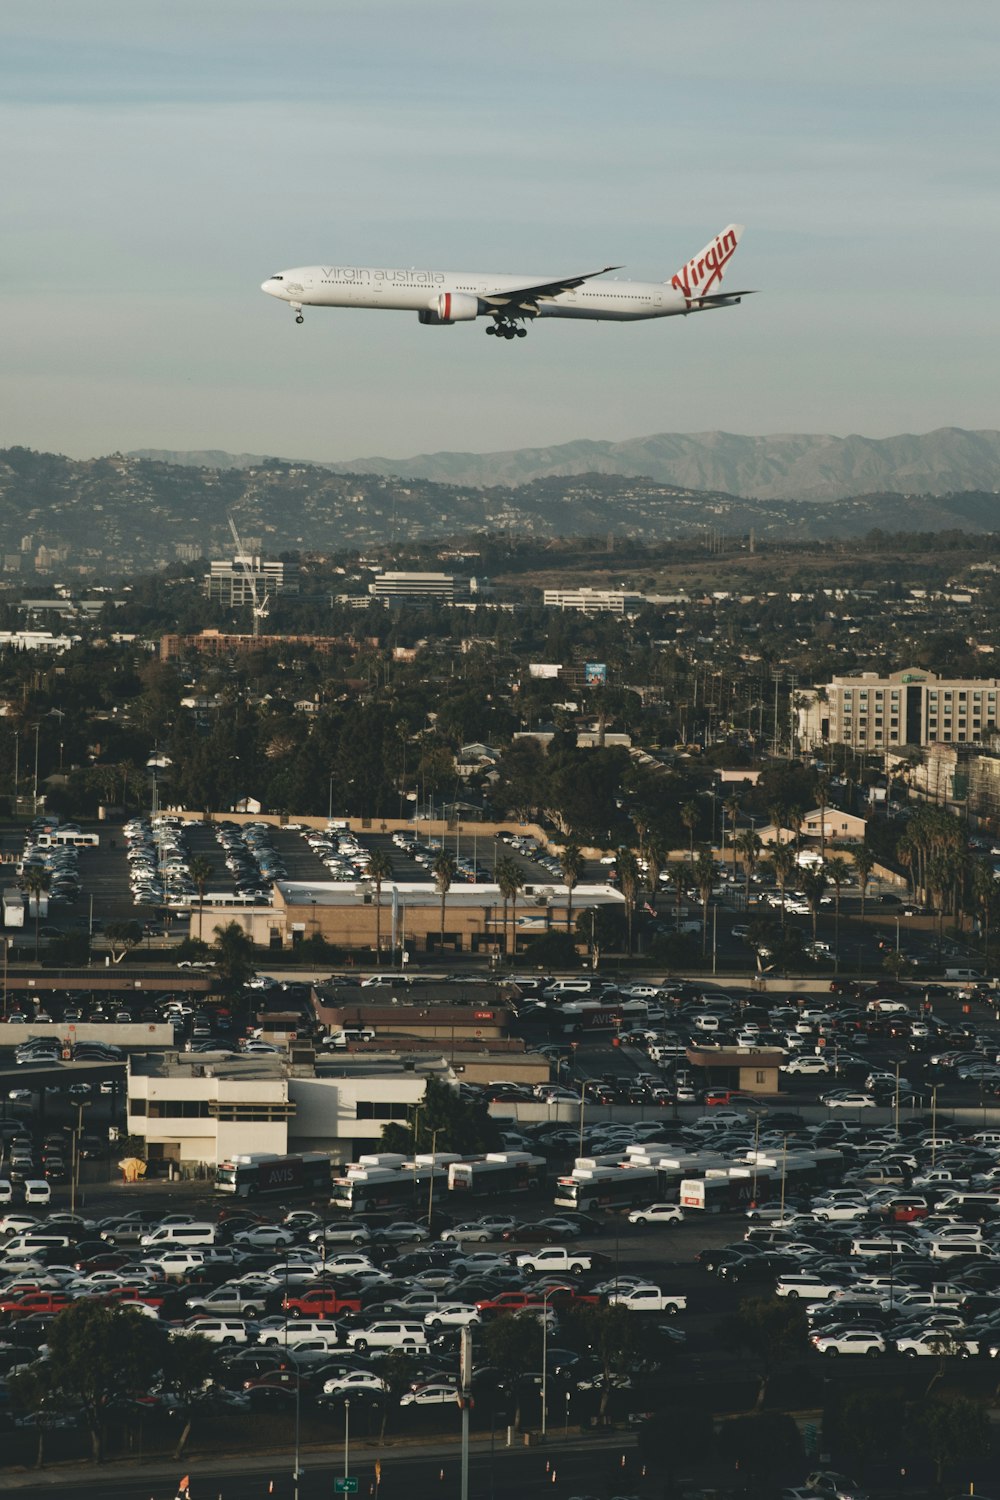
590,601
910,707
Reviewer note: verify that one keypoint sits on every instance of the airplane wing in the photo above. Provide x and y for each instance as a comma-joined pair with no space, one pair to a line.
525,299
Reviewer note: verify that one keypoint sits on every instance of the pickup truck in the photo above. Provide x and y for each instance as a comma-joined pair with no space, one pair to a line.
648,1299
320,1302
515,1302
558,1258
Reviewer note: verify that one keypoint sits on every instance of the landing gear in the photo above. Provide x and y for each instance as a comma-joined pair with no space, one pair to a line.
506,328
299,318
297,309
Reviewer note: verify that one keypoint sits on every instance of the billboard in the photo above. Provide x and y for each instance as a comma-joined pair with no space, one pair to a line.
595,674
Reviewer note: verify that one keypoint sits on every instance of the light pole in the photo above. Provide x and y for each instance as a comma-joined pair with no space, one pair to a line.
545,1355
430,1184
347,1439
583,1100
74,1165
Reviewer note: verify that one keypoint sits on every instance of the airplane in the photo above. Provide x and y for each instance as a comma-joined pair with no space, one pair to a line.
442,298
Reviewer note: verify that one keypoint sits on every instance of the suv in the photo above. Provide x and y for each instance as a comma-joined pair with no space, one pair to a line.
388,1333
344,1231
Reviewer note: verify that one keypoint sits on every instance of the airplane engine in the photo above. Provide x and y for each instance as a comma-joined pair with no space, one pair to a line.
450,307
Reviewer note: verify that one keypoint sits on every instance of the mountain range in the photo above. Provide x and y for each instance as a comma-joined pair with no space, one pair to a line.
783,466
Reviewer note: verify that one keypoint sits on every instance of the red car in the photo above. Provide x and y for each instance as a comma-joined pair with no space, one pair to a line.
515,1302
34,1302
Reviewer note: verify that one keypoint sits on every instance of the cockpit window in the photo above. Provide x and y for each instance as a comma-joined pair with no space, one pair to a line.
276,277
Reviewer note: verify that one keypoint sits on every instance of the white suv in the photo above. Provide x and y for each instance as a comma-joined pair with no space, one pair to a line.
388,1333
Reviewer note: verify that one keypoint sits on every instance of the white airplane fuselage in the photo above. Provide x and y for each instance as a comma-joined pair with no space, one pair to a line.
422,291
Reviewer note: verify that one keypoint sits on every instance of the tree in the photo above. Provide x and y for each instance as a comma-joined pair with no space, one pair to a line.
760,1444
689,817
445,1121
814,885
233,953
628,878
951,1429
732,810
202,871
783,860
985,899
864,864
188,1366
379,869
823,798
510,879
680,873
749,846
838,873
770,1329
443,868
36,882
704,879
122,938
101,1353
620,1342
571,866
513,1345
656,855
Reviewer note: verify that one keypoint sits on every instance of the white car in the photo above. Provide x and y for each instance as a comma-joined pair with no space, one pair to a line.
657,1213
845,1099
452,1315
805,1064
354,1380
937,1342
264,1237
849,1341
648,1298
430,1395
837,1213
475,1233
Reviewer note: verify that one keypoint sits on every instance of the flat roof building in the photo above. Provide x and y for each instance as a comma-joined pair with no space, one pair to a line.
909,707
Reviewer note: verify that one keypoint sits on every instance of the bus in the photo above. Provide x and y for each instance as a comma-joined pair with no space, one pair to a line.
387,1187
68,838
608,1187
266,1172
497,1172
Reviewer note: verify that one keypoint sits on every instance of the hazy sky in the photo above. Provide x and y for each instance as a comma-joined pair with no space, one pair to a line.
161,159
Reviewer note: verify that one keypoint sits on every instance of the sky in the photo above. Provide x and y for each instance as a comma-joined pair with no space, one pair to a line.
162,160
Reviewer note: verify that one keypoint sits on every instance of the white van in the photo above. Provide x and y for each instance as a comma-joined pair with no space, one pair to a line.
178,1236
7,1191
871,1248
970,976
33,1241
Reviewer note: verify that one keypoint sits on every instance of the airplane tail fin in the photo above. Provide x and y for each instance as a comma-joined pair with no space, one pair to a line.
703,273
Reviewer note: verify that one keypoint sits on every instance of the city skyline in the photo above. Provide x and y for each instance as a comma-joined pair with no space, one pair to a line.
168,162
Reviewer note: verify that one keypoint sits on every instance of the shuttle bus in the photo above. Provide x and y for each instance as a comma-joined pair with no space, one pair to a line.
498,1172
608,1187
254,1175
387,1187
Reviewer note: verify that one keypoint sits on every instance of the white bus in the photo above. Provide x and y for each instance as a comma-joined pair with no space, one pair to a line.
608,1187
386,1187
498,1172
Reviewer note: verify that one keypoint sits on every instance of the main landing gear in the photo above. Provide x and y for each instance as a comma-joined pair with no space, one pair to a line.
505,328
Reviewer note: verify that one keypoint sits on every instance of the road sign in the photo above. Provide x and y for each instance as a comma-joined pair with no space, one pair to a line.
346,1486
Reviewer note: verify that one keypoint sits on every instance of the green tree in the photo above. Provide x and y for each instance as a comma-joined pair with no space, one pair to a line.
628,878
443,868
188,1367
839,873
513,1345
101,1353
749,846
619,1341
571,866
986,900
949,1430
656,855
823,799
122,938
814,885
445,1121
202,871
864,864
36,882
783,860
689,817
510,879
379,869
771,1330
233,957
704,879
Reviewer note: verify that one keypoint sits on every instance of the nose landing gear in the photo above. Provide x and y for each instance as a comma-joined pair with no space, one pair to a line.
297,307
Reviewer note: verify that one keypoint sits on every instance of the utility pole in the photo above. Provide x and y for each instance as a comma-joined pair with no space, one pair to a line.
465,1388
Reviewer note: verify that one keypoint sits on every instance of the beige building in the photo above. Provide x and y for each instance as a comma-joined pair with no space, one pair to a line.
910,707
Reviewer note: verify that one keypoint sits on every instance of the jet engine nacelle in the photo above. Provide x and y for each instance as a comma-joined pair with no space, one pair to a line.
451,307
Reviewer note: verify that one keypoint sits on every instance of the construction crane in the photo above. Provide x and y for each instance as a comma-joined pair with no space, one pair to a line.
260,603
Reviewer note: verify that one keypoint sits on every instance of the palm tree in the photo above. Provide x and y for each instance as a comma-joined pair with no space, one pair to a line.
784,862
36,882
689,817
864,864
823,798
202,871
814,885
379,869
704,879
511,881
838,873
777,815
571,865
655,856
680,879
443,869
628,878
795,821
984,895
732,811
749,846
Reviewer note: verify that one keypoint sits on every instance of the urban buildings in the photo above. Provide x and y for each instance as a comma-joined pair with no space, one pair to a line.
909,707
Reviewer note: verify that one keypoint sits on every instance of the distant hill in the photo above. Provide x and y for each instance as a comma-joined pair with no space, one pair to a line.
784,466
120,515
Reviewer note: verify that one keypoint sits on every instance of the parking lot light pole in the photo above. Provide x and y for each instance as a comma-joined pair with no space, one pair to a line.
347,1438
545,1356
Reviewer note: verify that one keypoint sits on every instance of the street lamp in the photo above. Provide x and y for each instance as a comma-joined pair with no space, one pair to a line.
545,1354
74,1167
